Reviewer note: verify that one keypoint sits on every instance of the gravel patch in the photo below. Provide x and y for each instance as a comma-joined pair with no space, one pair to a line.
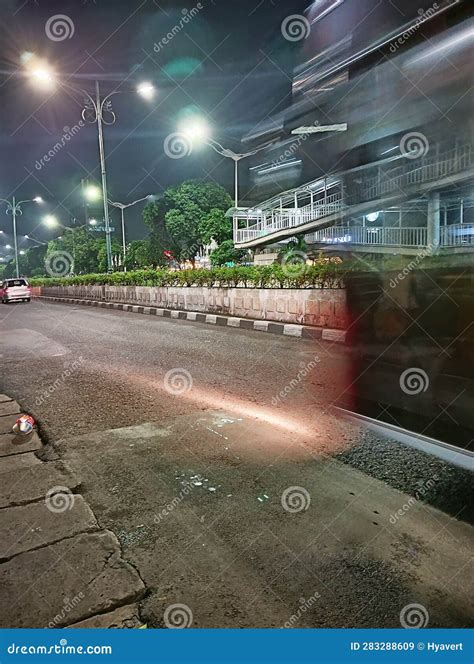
427,478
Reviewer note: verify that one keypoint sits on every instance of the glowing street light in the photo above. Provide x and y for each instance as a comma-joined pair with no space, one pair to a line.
372,216
39,71
8,246
92,193
33,239
197,129
50,221
146,90
98,110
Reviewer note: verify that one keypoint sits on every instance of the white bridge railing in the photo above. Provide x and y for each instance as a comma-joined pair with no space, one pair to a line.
457,235
276,220
427,169
390,237
373,183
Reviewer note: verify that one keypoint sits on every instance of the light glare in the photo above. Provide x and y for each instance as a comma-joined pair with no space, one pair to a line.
92,192
146,90
196,129
50,220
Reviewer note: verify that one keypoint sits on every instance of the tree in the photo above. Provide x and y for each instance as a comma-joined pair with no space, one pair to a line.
186,218
30,263
102,263
293,251
160,239
227,253
215,226
138,255
82,250
194,214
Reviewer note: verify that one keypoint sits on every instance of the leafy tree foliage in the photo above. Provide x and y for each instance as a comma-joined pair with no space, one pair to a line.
87,249
188,217
227,253
139,255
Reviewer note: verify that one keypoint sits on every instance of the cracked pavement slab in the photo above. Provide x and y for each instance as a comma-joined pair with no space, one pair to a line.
66,582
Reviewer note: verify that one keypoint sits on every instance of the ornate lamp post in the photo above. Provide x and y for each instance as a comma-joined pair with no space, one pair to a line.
14,208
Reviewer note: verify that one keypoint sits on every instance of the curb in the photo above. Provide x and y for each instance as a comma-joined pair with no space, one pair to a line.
284,329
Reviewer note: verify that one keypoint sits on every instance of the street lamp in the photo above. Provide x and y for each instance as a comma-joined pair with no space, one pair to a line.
146,90
121,207
50,221
198,130
33,239
98,111
92,192
14,208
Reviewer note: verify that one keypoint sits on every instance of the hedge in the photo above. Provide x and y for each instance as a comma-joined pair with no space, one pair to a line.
320,275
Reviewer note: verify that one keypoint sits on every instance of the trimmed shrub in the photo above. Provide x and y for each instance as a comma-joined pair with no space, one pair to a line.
320,275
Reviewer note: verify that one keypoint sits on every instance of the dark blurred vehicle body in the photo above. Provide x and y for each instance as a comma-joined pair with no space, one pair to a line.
412,343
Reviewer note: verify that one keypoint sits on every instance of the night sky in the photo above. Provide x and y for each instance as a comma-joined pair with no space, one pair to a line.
229,62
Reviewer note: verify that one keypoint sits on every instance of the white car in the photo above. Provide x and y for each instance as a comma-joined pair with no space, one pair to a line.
15,290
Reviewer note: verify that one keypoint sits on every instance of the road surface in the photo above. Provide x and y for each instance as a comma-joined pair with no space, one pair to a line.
211,455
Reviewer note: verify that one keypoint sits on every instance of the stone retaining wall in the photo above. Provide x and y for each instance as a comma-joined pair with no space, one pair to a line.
325,307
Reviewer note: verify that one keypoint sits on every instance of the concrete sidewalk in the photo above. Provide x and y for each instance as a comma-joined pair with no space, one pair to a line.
58,568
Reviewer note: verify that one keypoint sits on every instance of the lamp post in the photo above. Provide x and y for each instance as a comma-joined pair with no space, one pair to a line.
198,129
14,208
122,207
97,111
33,239
236,157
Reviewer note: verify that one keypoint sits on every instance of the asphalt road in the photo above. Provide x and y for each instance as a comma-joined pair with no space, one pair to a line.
210,453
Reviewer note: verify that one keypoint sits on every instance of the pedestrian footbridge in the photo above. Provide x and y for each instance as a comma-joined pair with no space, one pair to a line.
333,210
